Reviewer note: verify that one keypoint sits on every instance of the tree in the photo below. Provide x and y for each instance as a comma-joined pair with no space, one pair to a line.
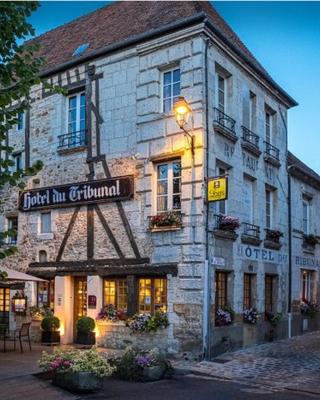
19,71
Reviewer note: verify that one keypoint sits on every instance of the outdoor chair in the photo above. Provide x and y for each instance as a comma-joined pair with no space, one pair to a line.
19,334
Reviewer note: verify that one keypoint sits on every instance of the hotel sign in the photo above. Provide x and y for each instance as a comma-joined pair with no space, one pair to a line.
218,188
99,191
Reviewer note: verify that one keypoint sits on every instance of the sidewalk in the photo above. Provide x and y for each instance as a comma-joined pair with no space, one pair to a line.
292,364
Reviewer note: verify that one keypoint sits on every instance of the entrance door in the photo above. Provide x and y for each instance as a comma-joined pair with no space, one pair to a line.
80,300
4,306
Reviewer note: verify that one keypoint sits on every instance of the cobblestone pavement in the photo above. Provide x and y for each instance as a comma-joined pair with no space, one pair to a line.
292,364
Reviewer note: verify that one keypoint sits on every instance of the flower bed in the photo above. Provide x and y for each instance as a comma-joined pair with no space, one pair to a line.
166,219
250,316
224,316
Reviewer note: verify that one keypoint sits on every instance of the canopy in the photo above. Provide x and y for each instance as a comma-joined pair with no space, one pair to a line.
19,276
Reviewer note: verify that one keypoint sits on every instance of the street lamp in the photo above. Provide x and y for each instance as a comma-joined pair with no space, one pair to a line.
182,112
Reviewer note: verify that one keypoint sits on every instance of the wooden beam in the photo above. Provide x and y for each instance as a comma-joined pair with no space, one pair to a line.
90,231
67,234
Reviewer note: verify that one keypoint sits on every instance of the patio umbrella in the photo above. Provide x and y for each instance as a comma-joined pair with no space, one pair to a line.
19,276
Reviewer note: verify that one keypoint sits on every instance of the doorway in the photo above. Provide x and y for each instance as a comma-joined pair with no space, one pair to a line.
80,301
4,306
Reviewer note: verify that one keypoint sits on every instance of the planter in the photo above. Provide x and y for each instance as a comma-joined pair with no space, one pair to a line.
87,338
153,373
81,382
50,337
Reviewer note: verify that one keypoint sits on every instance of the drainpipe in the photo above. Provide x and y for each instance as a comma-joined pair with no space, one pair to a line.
290,253
207,276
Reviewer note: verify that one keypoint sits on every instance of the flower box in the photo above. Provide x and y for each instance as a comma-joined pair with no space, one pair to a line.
273,235
308,308
170,220
310,240
224,316
250,316
228,223
50,337
86,338
82,382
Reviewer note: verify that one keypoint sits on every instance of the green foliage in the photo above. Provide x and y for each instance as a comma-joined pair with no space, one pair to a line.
85,325
19,72
3,275
148,322
50,323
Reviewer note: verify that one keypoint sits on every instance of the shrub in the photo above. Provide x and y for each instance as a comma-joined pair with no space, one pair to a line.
273,318
50,324
85,325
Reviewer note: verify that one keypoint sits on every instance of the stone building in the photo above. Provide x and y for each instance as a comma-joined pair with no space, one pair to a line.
116,163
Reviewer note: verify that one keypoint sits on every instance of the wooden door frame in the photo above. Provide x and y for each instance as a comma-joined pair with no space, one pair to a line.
76,280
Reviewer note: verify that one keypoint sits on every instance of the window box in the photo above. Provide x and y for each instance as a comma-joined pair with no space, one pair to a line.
225,227
308,308
272,240
166,221
309,240
224,316
224,125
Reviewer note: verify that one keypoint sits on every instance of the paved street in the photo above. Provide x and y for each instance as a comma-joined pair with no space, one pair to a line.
285,370
288,364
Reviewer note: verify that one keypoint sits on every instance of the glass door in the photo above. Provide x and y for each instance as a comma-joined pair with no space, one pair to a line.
80,299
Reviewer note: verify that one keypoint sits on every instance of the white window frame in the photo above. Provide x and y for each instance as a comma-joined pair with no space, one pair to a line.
171,70
307,277
271,205
78,106
170,193
41,224
224,91
306,204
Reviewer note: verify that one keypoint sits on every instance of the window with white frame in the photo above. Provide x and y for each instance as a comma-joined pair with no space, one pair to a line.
221,93
168,186
307,278
170,89
269,209
76,123
45,222
268,127
20,124
306,216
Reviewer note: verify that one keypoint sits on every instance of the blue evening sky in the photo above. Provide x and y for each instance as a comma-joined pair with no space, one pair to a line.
283,36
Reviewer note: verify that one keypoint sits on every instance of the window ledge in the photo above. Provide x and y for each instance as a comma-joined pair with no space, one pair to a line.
227,235
165,228
223,131
251,148
250,240
269,244
45,236
71,150
271,160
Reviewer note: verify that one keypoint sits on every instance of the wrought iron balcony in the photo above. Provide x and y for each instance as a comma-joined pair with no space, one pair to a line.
251,230
250,137
72,140
225,124
271,151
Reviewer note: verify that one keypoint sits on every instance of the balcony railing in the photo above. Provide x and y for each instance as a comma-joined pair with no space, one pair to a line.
271,151
72,140
224,120
251,230
250,137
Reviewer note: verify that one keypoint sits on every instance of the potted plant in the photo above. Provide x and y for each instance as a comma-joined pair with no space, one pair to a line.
76,370
85,331
250,316
228,223
166,219
50,329
224,316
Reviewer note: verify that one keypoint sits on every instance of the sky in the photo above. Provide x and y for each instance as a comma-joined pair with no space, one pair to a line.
283,36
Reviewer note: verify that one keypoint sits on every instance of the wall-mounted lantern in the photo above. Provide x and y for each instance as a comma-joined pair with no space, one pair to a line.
182,112
19,303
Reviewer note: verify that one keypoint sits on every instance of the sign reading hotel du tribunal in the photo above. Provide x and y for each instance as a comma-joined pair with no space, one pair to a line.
217,188
99,191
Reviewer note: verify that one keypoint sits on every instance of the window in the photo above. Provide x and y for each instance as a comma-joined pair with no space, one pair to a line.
221,93
13,226
17,159
76,120
269,208
252,111
168,186
45,222
222,205
20,124
248,200
247,291
45,294
116,293
268,127
221,287
269,293
43,256
152,295
306,216
171,89
307,285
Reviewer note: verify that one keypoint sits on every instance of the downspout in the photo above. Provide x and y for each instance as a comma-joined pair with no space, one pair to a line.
207,275
290,252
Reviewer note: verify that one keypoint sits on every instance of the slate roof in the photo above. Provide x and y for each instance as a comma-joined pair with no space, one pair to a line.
302,171
125,22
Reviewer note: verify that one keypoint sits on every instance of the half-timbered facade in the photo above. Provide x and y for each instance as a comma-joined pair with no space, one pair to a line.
118,214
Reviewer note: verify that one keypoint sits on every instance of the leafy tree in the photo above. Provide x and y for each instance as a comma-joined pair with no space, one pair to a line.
19,71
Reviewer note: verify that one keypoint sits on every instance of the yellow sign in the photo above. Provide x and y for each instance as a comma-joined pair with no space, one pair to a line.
218,188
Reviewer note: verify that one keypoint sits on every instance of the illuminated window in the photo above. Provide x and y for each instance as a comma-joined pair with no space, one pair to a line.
170,89
4,305
169,186
45,294
221,286
152,295
116,293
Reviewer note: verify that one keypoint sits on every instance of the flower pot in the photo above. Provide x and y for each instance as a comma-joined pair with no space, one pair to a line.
153,373
50,337
78,381
87,338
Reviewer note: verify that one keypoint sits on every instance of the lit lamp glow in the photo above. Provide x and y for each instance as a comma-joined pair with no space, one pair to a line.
182,112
